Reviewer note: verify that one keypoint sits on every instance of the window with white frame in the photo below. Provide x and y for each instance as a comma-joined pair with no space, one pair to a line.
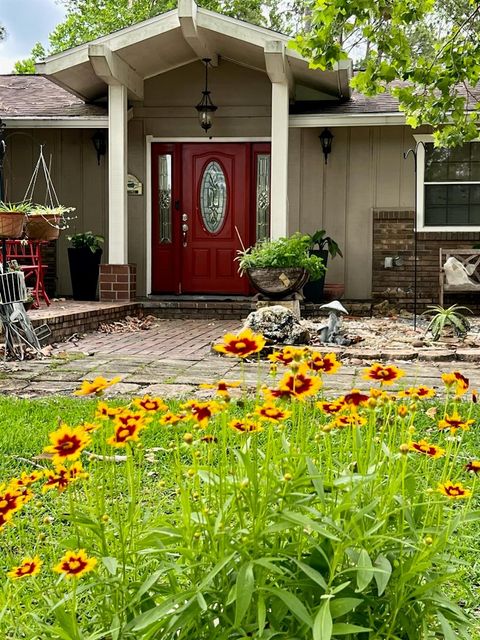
451,186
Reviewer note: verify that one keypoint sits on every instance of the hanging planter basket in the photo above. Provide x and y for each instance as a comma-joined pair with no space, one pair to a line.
43,227
277,282
11,224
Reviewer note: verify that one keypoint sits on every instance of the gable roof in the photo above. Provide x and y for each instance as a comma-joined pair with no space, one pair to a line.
177,38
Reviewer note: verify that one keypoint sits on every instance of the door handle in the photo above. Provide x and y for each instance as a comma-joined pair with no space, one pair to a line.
184,233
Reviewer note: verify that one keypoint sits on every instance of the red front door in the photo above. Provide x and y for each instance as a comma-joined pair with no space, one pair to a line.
203,202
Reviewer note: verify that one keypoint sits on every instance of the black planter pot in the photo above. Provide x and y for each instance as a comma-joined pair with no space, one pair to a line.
313,291
84,268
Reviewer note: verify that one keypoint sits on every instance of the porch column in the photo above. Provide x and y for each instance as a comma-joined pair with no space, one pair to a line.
281,77
117,175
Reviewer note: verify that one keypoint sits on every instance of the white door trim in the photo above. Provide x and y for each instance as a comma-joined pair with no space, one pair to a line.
148,187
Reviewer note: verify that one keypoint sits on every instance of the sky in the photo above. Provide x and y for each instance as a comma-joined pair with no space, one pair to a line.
26,22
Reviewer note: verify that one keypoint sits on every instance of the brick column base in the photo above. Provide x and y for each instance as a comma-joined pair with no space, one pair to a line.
118,282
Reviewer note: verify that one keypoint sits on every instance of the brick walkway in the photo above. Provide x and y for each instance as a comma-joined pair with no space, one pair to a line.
172,359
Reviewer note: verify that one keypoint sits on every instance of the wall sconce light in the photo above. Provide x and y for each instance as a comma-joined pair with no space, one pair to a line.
99,140
326,138
205,107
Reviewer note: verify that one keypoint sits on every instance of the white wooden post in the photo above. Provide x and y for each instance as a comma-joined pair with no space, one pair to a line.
279,162
117,175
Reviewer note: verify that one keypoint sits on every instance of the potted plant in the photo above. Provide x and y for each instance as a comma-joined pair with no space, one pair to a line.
84,259
45,223
278,268
12,219
321,246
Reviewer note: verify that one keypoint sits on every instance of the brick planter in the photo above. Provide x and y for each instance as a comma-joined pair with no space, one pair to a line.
118,282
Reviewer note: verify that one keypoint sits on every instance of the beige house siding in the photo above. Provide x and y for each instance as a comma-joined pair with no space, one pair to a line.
365,170
78,180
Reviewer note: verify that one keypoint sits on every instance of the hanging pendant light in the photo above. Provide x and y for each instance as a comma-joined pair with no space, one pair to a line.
205,107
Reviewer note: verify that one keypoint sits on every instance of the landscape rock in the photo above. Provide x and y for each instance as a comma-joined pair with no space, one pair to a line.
278,325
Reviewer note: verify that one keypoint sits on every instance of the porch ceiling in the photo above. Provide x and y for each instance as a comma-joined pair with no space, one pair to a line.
164,43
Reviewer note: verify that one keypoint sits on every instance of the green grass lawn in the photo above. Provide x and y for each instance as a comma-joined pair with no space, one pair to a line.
159,483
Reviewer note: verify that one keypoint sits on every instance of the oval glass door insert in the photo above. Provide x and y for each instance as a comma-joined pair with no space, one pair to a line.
213,197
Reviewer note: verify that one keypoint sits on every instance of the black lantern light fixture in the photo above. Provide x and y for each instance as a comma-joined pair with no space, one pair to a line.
100,143
205,107
326,138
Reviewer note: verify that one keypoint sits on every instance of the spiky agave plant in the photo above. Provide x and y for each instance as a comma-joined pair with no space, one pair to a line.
449,317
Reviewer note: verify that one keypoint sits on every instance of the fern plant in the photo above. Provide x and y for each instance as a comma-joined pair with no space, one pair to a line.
449,317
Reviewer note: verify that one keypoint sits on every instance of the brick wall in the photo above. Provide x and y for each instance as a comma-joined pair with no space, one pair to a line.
118,282
392,237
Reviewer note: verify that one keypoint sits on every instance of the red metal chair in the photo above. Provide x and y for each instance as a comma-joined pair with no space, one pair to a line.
28,254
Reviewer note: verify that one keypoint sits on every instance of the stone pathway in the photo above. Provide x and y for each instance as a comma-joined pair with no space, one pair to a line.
174,358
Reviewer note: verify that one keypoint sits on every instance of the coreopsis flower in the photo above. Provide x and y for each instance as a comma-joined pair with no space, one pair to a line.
104,411
221,387
75,563
97,386
28,567
453,490
271,395
427,449
124,432
209,437
350,420
300,384
241,345
26,479
12,499
149,404
473,465
326,364
421,392
455,378
385,374
60,477
89,427
287,355
126,418
271,412
455,422
201,412
330,407
171,418
67,443
402,410
244,426
355,398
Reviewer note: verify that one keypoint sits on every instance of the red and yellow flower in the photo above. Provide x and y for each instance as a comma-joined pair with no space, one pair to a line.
355,398
67,443
149,404
28,567
104,411
124,432
300,384
335,406
26,479
172,418
244,426
241,345
209,437
453,490
75,563
271,412
326,364
60,477
287,355
385,374
222,388
457,379
97,386
12,499
473,465
455,422
349,420
427,449
422,392
201,412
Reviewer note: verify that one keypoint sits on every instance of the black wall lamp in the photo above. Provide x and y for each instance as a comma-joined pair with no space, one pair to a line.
205,107
326,138
99,140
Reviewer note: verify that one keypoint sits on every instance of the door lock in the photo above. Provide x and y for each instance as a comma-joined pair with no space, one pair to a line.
184,217
184,232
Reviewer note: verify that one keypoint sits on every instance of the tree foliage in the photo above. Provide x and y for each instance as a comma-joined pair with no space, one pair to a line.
27,65
434,84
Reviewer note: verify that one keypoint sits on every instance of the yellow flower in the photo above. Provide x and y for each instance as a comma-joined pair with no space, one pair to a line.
459,380
287,355
61,476
104,411
150,405
75,563
474,466
28,567
171,418
201,412
124,432
335,406
300,384
352,420
453,490
241,345
385,374
67,443
221,387
26,479
244,426
421,392
327,364
271,412
97,386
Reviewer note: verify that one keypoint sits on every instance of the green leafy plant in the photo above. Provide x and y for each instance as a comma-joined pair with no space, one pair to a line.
291,252
324,243
42,210
86,240
449,317
15,207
